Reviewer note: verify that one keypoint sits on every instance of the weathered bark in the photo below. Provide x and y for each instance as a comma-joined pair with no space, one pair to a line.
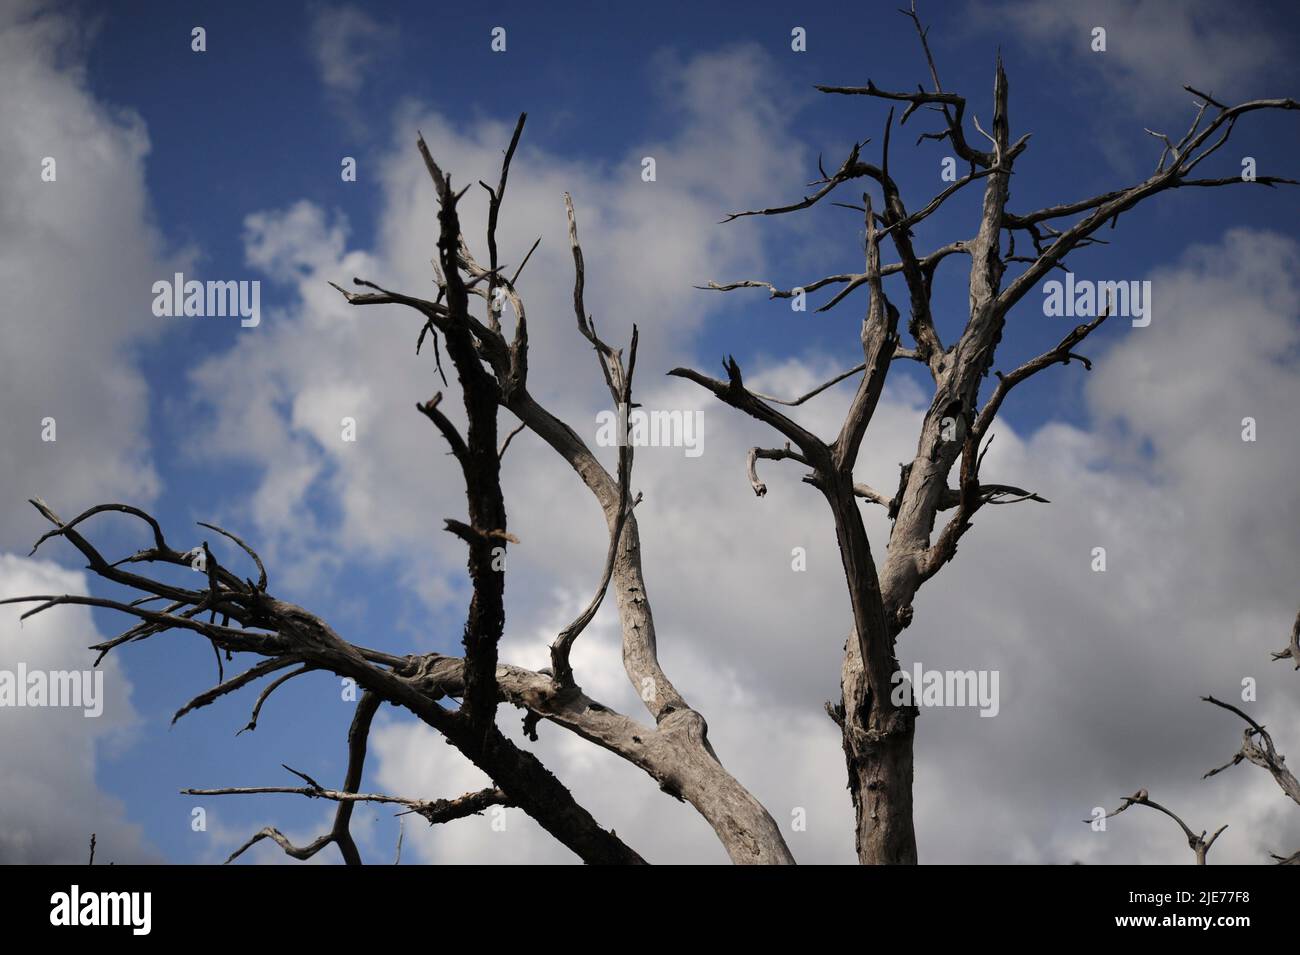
877,732
878,744
675,753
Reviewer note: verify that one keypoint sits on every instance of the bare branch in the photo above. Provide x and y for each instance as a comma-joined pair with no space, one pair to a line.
879,339
734,393
252,674
494,210
560,666
261,569
271,688
510,437
1197,843
340,834
1265,756
431,411
795,402
850,169
1292,652
769,454
850,280
1062,353
435,811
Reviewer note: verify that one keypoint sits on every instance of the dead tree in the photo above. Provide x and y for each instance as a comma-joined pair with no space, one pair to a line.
1197,843
1265,756
878,734
239,615
1262,753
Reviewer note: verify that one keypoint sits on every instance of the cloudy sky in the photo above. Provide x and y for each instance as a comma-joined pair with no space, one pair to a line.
225,164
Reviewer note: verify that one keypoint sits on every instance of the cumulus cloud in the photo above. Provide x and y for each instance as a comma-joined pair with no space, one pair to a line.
346,41
78,257
50,802
1153,48
1102,672
278,398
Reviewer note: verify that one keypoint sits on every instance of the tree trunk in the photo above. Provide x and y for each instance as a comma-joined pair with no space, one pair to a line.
877,732
878,752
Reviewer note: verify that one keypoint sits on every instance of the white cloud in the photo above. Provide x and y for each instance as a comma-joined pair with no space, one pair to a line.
279,396
346,42
1153,48
293,244
78,257
49,800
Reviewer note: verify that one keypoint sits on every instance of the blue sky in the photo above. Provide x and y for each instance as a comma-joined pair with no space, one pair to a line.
256,126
